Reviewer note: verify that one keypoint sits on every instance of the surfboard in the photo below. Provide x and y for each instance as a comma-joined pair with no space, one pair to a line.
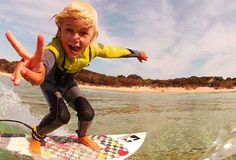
113,147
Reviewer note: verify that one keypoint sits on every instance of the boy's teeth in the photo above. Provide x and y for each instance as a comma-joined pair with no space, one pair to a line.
74,48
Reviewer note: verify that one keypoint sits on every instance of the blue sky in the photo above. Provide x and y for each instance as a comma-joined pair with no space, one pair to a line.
182,38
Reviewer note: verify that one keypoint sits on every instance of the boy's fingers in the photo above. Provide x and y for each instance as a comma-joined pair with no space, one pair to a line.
40,48
17,45
13,75
16,77
140,60
37,58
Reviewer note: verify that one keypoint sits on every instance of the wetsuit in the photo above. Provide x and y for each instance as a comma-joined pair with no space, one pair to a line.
60,85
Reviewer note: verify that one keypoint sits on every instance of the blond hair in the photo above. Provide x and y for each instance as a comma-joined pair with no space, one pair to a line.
79,10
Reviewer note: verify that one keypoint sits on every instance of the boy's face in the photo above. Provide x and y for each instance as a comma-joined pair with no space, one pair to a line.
75,36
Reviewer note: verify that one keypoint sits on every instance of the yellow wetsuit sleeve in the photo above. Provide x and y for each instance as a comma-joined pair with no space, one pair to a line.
109,51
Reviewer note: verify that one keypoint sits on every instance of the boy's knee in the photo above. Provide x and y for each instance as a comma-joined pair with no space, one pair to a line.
64,118
87,116
85,112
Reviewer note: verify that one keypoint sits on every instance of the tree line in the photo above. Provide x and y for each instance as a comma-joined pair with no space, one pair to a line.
93,78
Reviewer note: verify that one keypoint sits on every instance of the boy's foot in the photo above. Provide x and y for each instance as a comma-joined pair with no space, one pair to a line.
36,142
35,147
87,141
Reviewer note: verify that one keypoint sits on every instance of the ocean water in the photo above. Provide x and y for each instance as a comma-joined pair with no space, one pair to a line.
179,126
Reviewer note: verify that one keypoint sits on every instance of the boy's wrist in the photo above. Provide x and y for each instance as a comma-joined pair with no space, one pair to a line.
135,53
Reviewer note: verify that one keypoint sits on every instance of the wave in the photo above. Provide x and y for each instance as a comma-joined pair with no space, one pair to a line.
11,107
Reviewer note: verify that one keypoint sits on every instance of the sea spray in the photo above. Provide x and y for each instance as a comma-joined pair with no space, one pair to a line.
224,146
11,107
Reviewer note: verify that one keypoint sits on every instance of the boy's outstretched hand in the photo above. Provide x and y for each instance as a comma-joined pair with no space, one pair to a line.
30,67
143,56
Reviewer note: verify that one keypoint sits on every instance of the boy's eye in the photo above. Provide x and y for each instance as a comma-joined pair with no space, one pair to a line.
69,30
83,33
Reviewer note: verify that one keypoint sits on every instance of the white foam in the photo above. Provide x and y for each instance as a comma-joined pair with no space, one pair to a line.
11,107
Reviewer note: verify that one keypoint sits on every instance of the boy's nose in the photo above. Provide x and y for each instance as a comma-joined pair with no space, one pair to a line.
76,36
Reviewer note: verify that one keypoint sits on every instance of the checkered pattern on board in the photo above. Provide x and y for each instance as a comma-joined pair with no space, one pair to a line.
110,148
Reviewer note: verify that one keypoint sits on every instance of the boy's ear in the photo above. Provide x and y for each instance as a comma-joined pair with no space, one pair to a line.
95,36
59,32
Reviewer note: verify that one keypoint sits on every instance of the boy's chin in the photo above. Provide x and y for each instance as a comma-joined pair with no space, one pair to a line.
73,55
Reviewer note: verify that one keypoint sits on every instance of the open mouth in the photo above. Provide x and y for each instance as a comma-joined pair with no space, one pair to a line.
74,48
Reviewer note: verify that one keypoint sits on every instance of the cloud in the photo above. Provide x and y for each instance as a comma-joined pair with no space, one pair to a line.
220,44
182,39
219,39
25,19
189,44
29,17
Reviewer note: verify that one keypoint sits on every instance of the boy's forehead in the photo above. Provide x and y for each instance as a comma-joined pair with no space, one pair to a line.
78,23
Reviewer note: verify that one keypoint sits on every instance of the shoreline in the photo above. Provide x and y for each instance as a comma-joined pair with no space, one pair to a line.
157,90
142,89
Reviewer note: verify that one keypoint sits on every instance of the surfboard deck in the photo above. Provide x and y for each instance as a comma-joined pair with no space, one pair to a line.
113,147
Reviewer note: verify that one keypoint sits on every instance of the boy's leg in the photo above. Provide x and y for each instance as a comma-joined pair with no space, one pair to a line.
58,116
85,114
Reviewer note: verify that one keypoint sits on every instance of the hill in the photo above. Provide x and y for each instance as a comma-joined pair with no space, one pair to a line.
93,78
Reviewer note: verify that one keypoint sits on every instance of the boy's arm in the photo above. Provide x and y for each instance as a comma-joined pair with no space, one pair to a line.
109,51
49,60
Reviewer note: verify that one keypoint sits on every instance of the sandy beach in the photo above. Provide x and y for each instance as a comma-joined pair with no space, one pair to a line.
149,89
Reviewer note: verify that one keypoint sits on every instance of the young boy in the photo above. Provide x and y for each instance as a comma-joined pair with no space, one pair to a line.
54,69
